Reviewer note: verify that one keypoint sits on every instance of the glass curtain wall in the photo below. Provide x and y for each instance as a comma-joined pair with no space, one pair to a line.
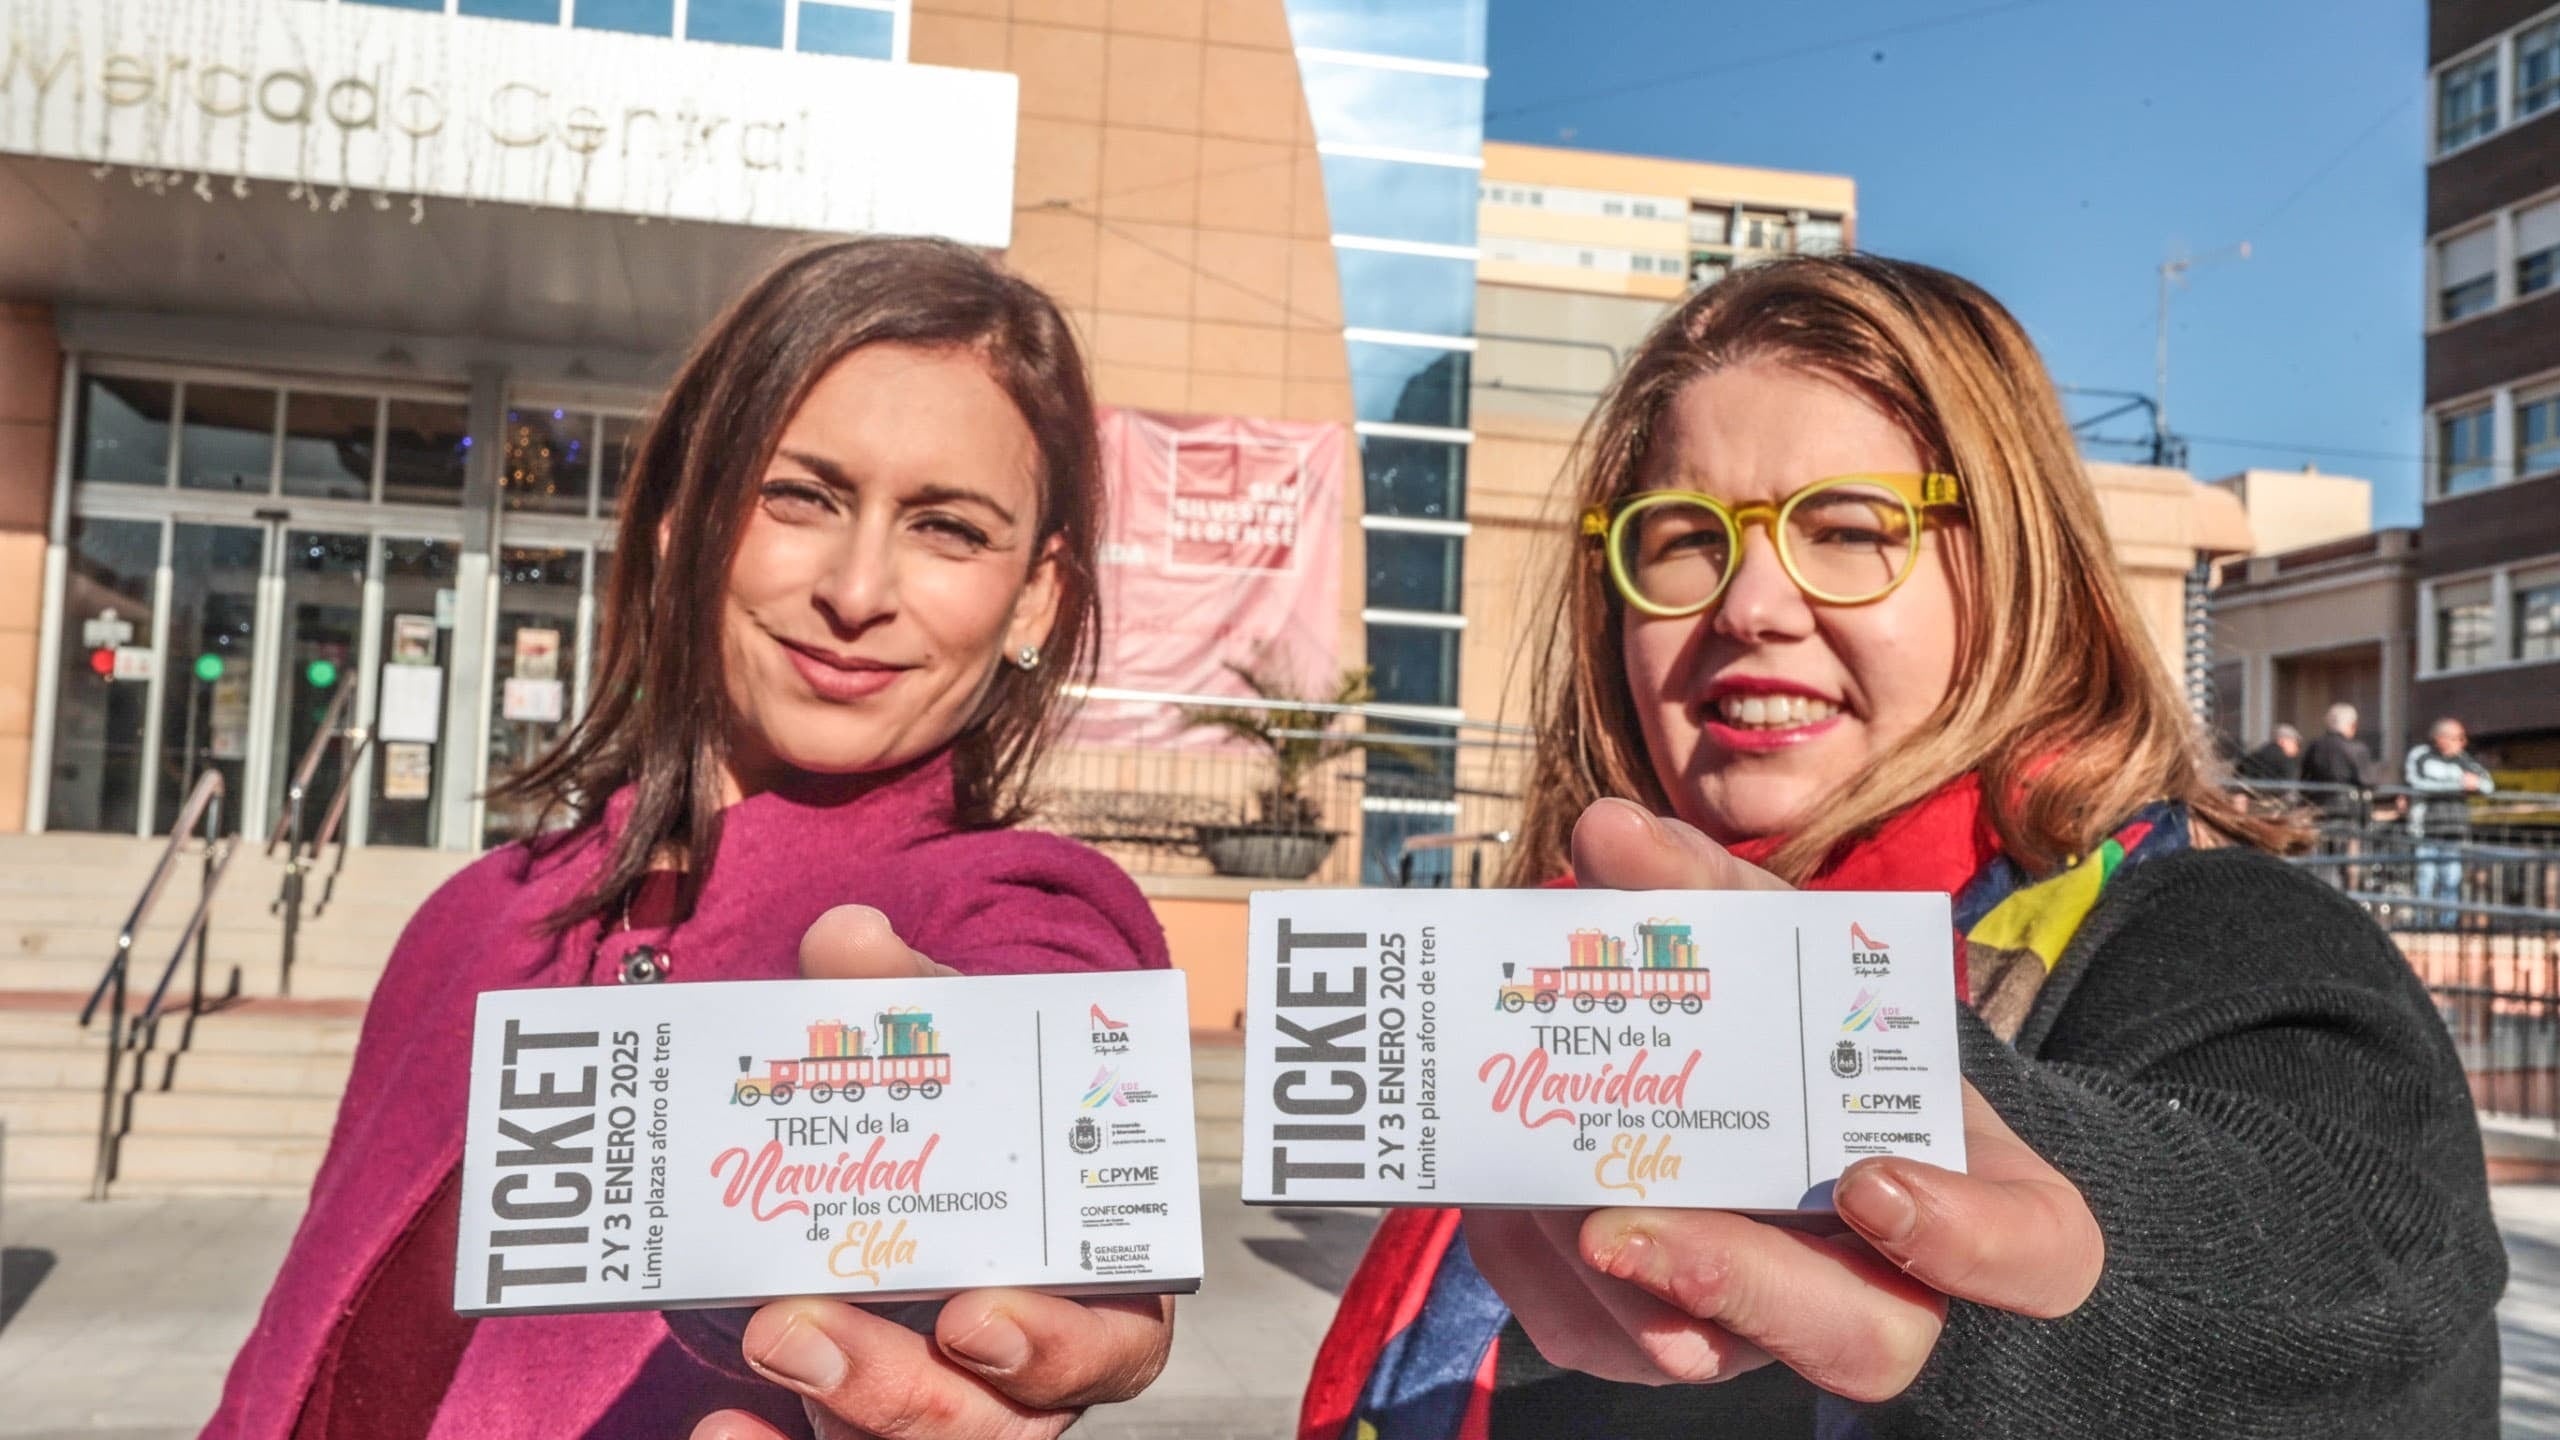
1396,91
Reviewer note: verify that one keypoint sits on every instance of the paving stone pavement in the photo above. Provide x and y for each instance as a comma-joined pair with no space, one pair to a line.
117,1321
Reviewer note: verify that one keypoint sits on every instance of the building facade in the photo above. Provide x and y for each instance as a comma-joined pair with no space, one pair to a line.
2298,630
1583,252
325,326
2488,603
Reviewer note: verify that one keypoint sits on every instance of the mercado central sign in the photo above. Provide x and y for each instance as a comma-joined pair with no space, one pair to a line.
351,104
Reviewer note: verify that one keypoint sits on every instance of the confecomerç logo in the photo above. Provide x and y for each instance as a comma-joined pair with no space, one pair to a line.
1602,971
1868,956
902,1054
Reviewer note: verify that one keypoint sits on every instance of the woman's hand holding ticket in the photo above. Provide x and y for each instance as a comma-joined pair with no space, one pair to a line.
1000,1364
1695,1296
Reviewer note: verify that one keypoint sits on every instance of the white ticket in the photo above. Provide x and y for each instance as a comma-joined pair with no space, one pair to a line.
674,1146
1579,1048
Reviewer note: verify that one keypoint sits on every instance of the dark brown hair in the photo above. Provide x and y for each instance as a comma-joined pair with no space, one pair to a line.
659,721
2060,700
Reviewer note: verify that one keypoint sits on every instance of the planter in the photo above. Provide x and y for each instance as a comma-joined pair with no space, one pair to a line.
1264,853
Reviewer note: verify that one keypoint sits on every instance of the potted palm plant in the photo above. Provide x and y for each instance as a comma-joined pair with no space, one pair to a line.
1285,838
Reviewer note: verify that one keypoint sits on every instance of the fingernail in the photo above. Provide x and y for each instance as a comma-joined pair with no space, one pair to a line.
1878,1205
1653,826
804,1357
1630,1255
996,1344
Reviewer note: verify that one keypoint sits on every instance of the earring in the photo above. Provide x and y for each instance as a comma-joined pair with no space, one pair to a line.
1027,658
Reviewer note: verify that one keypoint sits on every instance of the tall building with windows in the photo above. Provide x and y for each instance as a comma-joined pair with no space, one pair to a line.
1583,252
325,327
1396,92
2489,589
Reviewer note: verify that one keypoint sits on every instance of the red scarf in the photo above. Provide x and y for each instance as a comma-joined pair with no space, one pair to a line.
1938,844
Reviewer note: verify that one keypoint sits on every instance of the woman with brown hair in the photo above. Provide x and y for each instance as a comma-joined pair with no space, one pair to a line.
1842,613
855,571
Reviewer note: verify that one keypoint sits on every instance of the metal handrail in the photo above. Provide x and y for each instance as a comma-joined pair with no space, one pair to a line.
300,851
1416,844
359,741
289,820
138,1035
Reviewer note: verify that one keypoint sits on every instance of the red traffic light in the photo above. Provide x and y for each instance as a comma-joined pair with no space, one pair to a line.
103,661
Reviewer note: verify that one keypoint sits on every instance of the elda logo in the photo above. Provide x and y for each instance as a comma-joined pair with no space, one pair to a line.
1109,1036
1867,954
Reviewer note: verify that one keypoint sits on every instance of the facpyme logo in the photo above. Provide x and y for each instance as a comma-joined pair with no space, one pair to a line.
1118,1177
1881,1104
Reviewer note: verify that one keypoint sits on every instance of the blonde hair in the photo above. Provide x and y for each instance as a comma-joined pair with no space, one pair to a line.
2059,702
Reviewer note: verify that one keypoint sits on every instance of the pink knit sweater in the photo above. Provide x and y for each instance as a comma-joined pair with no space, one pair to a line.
984,902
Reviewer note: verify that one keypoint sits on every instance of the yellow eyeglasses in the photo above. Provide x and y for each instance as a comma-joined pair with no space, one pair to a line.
1848,540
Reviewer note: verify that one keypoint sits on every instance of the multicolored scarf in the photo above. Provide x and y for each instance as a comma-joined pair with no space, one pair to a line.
1412,1350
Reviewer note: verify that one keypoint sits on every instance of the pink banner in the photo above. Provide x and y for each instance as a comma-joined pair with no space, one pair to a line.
1223,544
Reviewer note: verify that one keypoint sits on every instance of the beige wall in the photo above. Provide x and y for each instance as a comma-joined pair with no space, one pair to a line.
1683,182
2303,629
2160,521
2289,509
1544,356
1204,926
30,390
1657,175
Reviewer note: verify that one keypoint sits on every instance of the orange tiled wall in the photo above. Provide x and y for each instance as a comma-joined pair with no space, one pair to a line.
30,389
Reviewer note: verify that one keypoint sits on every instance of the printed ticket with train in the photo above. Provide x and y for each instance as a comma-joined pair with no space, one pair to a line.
1579,1048
668,1147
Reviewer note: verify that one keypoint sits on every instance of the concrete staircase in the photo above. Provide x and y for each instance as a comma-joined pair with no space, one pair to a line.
249,1107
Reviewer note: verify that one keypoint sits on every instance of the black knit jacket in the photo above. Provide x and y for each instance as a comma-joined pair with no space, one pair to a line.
2265,1113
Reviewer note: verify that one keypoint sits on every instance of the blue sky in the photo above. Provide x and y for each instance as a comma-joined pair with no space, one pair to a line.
2056,151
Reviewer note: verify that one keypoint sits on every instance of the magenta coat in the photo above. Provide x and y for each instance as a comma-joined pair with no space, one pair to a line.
987,902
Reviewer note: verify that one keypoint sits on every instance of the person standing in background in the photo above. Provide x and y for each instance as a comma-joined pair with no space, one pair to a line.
2279,759
2442,766
2340,761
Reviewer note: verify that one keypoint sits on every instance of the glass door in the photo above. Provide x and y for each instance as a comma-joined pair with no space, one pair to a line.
535,663
102,693
209,660
322,625
416,649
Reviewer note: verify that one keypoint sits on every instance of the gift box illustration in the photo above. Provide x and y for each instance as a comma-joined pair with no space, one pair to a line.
1601,971
908,1060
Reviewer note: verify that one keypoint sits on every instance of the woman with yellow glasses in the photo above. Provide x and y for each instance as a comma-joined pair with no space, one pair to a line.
1843,614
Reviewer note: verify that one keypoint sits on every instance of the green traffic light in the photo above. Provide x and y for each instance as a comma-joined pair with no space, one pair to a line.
321,673
208,667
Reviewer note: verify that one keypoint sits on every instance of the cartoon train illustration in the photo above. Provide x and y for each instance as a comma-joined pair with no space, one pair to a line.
840,1066
1598,974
